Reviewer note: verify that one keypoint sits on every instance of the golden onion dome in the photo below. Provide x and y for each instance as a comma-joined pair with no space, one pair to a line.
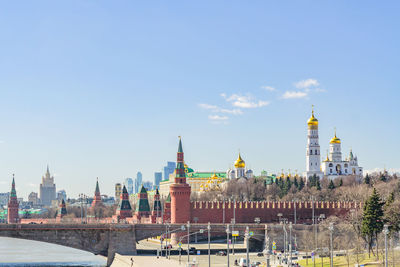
239,163
335,140
312,121
214,177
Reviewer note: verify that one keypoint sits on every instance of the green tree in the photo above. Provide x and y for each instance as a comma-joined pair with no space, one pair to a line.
318,184
367,179
383,177
301,184
372,220
295,183
331,185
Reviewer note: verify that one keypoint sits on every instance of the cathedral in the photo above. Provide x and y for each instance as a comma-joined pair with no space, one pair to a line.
333,166
240,170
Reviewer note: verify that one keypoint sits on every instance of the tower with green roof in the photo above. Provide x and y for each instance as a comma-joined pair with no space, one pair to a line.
13,206
142,206
124,209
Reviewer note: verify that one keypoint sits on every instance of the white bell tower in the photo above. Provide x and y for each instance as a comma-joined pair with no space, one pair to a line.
313,155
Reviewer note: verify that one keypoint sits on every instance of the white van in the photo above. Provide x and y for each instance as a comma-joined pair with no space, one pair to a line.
243,262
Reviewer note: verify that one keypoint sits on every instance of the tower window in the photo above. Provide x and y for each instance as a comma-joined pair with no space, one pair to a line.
316,153
310,152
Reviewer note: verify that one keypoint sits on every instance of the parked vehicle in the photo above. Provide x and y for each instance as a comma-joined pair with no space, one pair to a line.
221,253
243,262
169,246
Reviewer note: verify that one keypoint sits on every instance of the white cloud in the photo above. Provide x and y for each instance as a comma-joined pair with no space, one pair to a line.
306,83
269,88
220,110
241,101
218,118
294,94
207,106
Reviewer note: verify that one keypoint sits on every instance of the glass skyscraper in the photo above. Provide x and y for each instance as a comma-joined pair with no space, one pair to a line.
169,169
157,178
129,185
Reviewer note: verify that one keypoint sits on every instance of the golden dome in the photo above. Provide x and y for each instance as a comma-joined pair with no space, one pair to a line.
335,140
312,121
214,177
239,163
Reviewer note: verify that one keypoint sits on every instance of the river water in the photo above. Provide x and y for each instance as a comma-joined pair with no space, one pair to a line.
20,252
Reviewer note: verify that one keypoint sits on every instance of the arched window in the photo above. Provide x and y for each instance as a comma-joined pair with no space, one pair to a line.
330,170
316,153
330,165
310,152
346,165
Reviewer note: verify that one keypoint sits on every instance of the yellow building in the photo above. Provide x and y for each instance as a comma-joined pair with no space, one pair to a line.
196,180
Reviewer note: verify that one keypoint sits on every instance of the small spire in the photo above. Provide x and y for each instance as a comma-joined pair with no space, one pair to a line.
48,171
180,150
335,131
312,109
97,185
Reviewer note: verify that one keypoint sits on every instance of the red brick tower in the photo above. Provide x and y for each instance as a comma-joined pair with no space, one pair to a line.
12,211
97,197
167,209
157,209
180,192
124,209
62,211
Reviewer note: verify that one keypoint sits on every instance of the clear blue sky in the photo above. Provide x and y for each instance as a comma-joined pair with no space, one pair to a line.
103,88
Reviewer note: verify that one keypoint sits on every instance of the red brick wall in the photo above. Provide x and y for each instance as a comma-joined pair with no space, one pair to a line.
246,212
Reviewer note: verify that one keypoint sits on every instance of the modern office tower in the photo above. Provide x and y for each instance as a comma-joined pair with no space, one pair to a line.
118,191
138,182
61,195
47,189
148,185
170,168
129,185
157,178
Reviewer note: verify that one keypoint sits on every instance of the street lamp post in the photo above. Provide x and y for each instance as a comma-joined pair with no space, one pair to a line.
227,242
386,231
290,242
331,241
266,249
188,241
246,236
209,255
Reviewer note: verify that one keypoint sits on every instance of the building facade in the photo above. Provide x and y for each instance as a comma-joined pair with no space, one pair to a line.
138,182
157,179
334,166
129,185
47,189
118,191
169,169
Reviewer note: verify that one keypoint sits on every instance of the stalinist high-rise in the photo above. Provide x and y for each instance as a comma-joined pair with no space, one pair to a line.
313,155
47,189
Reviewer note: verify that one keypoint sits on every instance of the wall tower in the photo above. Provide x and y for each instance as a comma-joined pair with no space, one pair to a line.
180,191
12,211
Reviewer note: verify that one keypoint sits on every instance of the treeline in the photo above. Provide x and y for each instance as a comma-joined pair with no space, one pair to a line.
349,188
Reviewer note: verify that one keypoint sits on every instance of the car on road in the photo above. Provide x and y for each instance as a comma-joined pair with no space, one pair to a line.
221,253
169,246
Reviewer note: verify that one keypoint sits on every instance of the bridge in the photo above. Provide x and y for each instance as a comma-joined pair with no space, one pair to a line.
108,239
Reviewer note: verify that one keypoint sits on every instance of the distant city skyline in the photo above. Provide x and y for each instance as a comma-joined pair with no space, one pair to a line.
98,89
